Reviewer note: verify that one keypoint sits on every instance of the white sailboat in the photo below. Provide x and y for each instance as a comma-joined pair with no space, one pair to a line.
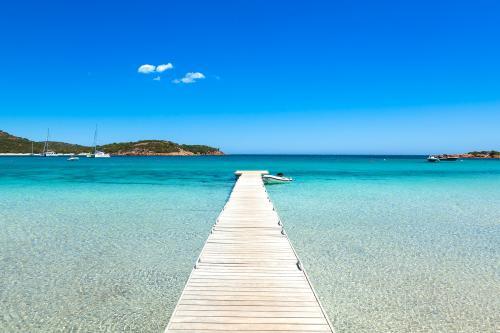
46,152
97,153
101,154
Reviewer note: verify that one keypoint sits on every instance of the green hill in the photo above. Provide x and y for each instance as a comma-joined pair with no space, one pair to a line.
13,144
157,147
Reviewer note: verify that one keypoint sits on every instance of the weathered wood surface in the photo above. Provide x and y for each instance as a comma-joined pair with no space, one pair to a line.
248,277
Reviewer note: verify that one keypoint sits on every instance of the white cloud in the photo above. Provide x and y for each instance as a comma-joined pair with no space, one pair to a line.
157,78
146,69
164,67
190,77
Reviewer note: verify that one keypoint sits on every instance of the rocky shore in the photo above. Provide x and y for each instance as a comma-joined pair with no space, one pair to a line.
478,156
492,154
152,153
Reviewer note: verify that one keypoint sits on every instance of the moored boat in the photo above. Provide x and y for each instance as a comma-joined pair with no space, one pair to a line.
46,152
447,158
100,154
49,153
276,179
97,153
432,158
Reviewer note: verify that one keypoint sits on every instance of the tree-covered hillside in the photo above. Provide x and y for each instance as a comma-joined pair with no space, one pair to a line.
156,147
13,144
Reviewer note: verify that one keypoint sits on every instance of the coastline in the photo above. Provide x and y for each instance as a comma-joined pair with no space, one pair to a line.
182,153
220,153
11,145
178,153
469,156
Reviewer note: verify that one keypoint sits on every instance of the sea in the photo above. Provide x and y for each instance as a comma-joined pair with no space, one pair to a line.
391,243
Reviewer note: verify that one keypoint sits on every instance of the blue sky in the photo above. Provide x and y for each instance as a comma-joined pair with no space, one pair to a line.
276,76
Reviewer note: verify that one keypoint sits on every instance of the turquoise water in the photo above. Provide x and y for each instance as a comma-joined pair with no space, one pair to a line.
391,244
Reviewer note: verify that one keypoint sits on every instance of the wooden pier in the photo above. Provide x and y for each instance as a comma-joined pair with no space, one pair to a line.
248,276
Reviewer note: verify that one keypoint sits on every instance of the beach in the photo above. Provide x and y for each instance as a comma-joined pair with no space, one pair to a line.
391,243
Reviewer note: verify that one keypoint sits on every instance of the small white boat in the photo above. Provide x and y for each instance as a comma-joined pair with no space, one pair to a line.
432,158
278,179
101,154
447,157
73,158
49,153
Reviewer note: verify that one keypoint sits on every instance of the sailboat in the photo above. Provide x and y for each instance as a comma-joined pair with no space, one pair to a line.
46,152
97,153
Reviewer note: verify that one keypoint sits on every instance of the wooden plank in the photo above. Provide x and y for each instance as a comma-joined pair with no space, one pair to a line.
250,276
250,320
249,313
252,308
246,331
250,294
238,297
249,326
273,303
247,277
244,285
242,289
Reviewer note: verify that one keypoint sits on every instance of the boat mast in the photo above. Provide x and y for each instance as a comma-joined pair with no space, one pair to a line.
95,139
46,145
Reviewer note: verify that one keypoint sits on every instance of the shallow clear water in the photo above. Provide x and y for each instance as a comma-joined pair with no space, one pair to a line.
391,244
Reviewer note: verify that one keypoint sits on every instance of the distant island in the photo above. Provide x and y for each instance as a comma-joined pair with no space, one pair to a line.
477,154
10,144
482,154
